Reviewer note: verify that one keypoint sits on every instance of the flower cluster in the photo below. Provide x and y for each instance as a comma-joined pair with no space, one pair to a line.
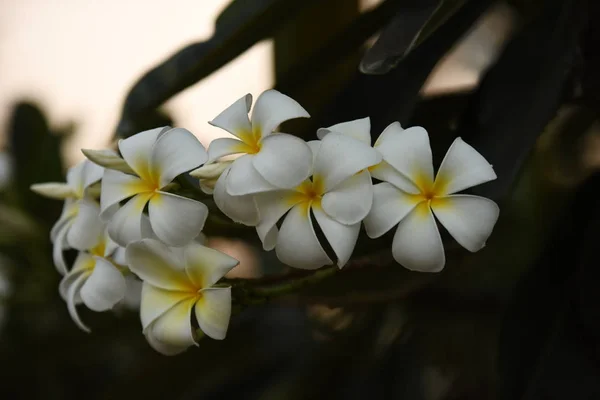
127,216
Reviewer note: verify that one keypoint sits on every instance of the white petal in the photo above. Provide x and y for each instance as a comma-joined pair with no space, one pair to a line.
273,108
87,227
137,149
175,152
91,173
342,238
386,173
53,190
117,186
283,160
463,167
314,146
234,119
174,327
175,219
359,129
126,225
245,179
390,205
70,209
108,159
104,288
82,175
155,302
83,263
154,263
340,157
417,244
212,170
213,311
241,209
350,201
268,236
222,147
469,219
205,266
164,349
408,151
297,244
271,207
58,246
72,294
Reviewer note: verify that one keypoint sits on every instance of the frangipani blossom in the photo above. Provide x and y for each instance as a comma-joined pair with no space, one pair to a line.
469,219
177,283
157,156
339,195
75,228
269,161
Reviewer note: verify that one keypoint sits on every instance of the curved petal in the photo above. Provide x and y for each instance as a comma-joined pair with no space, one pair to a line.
417,243
234,119
341,237
87,226
164,349
350,201
271,207
463,167
108,159
75,177
155,264
155,302
70,210
241,209
72,294
104,288
268,236
283,160
117,186
245,179
53,190
297,243
222,147
91,173
469,219
205,266
340,157
271,109
83,263
174,327
213,311
314,146
126,224
58,246
137,149
408,151
386,173
390,205
359,129
175,152
175,219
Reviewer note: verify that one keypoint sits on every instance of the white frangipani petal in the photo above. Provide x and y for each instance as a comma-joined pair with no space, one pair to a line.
53,190
163,348
205,266
469,219
137,149
117,186
155,302
174,327
463,167
222,147
350,201
245,179
297,243
341,237
340,157
83,263
175,152
390,205
86,226
417,243
175,219
213,311
283,161
271,207
72,294
108,159
70,209
211,170
91,173
57,248
235,117
385,172
241,209
126,224
104,288
359,129
271,109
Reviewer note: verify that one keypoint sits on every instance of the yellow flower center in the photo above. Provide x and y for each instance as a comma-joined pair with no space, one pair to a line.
309,192
251,141
430,192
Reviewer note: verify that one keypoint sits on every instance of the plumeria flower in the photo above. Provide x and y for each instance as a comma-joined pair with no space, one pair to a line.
469,219
96,279
339,195
75,228
209,173
177,283
157,156
268,160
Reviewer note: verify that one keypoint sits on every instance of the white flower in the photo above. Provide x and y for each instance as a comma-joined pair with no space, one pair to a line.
75,228
469,219
177,282
270,160
339,195
209,173
157,156
95,279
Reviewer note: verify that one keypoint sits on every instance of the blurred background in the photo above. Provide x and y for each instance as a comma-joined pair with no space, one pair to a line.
516,79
